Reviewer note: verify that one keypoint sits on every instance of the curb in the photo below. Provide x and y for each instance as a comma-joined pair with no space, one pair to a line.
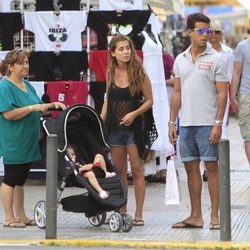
129,244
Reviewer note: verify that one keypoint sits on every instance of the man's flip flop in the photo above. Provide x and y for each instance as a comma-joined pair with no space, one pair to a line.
183,225
214,226
15,224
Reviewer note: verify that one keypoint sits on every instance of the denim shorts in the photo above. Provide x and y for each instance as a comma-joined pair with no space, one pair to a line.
195,144
121,139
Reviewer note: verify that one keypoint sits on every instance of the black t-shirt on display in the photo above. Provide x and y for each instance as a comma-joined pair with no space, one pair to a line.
46,5
110,23
10,23
97,91
47,66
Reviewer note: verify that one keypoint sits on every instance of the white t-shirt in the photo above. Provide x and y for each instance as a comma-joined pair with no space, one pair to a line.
3,54
56,32
120,4
198,90
5,5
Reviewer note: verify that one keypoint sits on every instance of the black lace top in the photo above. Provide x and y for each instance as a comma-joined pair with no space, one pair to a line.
120,103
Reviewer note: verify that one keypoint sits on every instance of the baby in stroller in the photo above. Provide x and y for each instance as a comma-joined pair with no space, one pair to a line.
91,170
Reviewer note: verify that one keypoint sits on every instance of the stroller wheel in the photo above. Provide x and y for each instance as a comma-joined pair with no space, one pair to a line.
98,220
127,222
40,214
115,222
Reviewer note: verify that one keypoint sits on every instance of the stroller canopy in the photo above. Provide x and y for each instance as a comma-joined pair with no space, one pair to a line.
73,123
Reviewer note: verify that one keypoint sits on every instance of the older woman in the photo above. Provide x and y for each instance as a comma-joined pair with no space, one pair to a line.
20,109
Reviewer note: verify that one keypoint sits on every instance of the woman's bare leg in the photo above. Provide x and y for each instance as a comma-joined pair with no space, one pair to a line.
119,157
139,180
7,193
19,204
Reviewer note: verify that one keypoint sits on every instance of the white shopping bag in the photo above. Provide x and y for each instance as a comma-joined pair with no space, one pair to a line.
172,196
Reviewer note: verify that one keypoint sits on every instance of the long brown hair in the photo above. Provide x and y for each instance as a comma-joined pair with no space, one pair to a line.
12,57
136,73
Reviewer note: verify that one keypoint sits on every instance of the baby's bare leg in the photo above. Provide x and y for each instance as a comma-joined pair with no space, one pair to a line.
93,181
100,158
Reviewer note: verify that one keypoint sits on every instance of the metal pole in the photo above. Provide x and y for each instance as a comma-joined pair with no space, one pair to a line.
51,186
225,197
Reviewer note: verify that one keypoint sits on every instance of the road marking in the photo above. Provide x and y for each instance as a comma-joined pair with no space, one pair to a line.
129,244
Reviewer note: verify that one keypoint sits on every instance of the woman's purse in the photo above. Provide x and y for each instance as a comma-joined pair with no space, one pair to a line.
145,133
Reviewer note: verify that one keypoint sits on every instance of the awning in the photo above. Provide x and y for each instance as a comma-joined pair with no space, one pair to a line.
167,7
212,2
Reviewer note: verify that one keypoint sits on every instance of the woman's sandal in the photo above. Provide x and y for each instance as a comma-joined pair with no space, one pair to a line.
138,223
15,224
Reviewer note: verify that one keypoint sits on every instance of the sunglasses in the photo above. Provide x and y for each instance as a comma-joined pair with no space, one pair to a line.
201,31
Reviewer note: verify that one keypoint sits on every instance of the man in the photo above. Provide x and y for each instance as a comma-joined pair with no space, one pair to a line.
241,86
227,53
200,93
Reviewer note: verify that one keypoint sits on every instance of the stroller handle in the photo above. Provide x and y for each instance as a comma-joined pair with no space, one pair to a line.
54,109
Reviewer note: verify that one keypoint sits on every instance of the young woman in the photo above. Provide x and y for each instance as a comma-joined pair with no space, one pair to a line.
127,85
20,109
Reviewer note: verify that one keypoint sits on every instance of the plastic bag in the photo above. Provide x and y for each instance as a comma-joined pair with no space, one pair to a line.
172,196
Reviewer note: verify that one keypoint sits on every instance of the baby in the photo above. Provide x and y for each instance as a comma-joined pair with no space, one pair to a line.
92,170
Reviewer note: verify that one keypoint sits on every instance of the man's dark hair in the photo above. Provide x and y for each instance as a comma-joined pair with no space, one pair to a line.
196,17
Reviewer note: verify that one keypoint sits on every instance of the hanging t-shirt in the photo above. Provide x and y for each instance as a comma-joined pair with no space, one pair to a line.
68,93
98,62
48,66
46,5
156,26
39,88
56,32
120,4
5,5
110,23
10,23
3,54
97,91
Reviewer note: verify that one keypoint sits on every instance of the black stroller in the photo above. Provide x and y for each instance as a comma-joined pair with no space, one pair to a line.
82,126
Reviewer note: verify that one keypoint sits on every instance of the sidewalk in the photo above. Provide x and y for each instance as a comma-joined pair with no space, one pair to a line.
158,217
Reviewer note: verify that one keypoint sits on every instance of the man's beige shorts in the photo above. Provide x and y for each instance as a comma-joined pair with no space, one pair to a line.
244,113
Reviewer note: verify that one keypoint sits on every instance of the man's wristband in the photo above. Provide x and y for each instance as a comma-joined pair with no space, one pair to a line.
30,108
171,124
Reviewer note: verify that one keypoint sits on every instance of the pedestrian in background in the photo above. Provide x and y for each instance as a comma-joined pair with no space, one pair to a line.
126,81
20,109
240,95
227,53
216,40
200,93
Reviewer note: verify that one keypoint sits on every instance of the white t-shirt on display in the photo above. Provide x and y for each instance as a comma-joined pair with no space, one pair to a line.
120,4
156,26
56,32
5,5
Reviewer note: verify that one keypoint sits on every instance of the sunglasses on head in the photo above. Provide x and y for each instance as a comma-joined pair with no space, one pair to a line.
201,31
217,32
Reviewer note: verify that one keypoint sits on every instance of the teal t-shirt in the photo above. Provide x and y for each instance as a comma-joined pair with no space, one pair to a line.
19,139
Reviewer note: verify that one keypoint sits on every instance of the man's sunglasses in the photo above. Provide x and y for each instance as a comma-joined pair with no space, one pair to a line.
201,31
